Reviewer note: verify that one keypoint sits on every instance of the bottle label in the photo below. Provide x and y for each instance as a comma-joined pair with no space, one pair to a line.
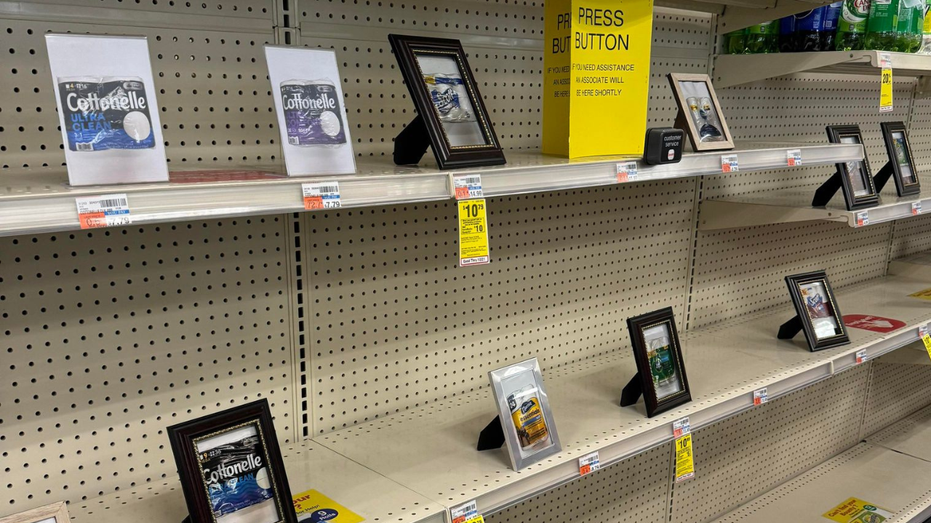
882,16
926,26
809,21
764,29
853,15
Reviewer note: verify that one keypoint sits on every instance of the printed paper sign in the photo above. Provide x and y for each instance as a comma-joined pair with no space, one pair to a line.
863,218
729,164
685,466
861,356
872,323
760,397
473,233
107,109
922,295
794,157
857,511
322,195
467,187
307,91
926,339
110,210
885,86
627,172
464,513
314,507
589,463
681,427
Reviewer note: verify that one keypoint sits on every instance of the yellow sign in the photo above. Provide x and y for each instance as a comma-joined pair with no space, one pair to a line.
476,519
922,295
473,233
596,76
885,85
685,466
310,503
857,511
927,341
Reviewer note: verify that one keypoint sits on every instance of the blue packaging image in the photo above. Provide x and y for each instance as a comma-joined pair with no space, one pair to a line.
106,113
312,113
831,16
235,475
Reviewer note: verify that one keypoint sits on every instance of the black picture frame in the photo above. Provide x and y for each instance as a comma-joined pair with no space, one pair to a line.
184,438
852,134
903,186
448,155
804,309
637,327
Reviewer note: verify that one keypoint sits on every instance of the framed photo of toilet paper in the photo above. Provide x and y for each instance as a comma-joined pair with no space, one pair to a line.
856,177
700,114
107,110
817,310
231,467
659,361
524,410
54,513
448,101
308,94
900,158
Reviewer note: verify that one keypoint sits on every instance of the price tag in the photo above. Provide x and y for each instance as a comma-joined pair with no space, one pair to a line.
109,210
759,396
464,513
729,163
885,86
794,157
926,339
916,208
321,195
685,465
473,233
627,172
863,218
476,519
923,331
681,427
861,356
589,463
468,186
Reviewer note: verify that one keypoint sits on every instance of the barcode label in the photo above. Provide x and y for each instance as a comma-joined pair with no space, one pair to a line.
466,187
109,210
325,189
84,146
323,195
294,140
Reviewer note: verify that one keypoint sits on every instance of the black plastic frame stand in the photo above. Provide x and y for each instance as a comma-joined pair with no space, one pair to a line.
882,177
411,143
790,329
632,391
492,436
827,190
187,519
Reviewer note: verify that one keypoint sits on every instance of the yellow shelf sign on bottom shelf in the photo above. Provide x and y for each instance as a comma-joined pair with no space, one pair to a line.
310,503
857,511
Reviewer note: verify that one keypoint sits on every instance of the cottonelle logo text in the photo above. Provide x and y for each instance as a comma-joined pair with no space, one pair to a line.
225,472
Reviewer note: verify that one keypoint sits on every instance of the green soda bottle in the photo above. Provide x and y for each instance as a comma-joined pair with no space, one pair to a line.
851,27
880,28
763,38
735,42
908,28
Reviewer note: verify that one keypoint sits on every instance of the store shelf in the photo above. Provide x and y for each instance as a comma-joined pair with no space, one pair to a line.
787,207
737,69
433,448
42,201
309,466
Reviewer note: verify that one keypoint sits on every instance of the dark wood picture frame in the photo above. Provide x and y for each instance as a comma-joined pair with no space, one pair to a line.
836,133
902,187
183,437
685,122
636,327
406,48
816,343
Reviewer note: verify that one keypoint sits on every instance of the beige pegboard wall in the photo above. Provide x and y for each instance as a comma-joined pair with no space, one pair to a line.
635,489
911,236
896,390
394,323
110,336
748,454
212,85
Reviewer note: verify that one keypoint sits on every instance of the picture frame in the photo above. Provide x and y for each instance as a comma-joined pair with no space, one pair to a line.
820,317
236,444
54,513
449,104
901,160
700,114
658,355
521,399
856,177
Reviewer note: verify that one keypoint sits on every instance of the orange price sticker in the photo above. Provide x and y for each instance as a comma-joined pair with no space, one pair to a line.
313,203
93,221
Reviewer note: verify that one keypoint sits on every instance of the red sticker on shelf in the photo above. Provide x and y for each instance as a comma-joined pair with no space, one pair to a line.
872,323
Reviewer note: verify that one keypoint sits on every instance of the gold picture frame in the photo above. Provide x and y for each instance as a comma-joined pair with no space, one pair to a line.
713,134
56,512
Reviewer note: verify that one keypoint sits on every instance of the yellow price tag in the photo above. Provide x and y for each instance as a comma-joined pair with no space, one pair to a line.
885,86
476,519
473,233
685,466
927,341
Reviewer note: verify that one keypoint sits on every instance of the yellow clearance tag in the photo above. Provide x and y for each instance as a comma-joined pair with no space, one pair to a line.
921,295
885,87
476,519
473,233
857,511
927,341
310,503
685,467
